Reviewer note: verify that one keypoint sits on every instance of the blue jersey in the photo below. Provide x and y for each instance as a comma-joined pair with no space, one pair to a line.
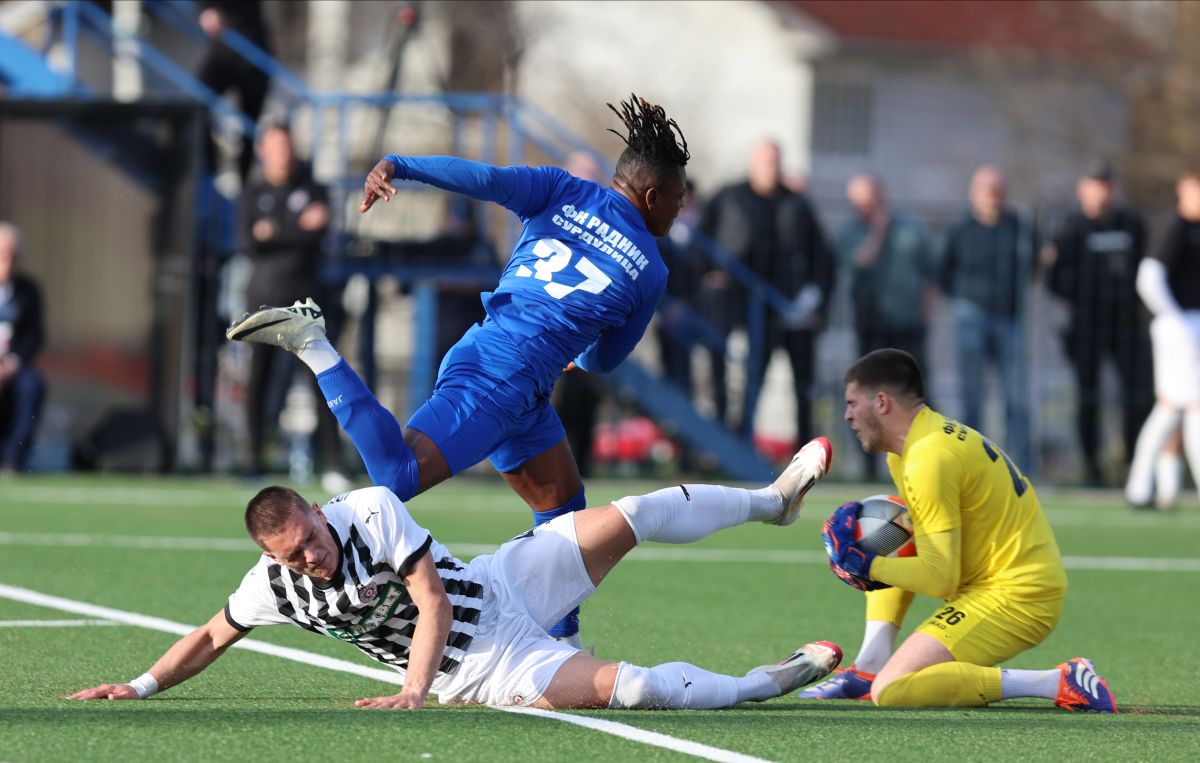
585,276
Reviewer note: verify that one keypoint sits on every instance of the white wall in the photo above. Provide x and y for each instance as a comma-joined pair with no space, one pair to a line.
935,121
728,72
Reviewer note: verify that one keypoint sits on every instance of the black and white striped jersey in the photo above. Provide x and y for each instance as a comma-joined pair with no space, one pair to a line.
366,603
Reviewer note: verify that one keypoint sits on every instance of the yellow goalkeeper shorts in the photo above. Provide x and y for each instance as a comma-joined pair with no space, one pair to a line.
986,627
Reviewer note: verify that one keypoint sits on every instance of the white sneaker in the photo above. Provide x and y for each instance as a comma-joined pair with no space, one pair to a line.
810,464
288,327
809,663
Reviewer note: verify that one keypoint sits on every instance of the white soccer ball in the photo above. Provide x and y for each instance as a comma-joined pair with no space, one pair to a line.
884,527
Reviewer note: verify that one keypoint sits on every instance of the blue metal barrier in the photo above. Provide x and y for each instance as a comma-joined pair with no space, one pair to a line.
526,124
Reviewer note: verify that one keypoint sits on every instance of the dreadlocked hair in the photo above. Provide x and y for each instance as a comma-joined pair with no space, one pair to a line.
651,147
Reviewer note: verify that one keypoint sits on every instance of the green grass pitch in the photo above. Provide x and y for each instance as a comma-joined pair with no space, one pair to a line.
77,538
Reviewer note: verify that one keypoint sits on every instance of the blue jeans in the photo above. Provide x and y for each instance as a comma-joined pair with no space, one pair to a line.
984,339
20,403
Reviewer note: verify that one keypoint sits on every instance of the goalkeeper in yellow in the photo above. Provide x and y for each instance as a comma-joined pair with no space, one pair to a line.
983,545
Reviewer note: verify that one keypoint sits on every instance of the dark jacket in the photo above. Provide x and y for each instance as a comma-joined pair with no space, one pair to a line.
24,314
779,238
1096,269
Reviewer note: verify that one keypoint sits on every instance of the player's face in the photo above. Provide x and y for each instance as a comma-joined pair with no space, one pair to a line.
663,203
304,545
863,419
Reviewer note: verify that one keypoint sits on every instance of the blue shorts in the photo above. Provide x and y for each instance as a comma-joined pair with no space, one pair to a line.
488,403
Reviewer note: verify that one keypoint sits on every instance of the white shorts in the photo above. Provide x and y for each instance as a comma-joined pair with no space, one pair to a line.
1176,340
532,582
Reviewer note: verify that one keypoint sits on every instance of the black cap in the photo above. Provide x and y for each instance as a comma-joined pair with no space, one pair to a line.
1100,170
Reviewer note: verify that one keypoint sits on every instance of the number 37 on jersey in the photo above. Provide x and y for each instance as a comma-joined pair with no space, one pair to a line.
554,257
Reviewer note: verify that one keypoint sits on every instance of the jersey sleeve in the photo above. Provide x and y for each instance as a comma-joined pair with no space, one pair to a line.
391,534
525,191
931,483
252,604
615,344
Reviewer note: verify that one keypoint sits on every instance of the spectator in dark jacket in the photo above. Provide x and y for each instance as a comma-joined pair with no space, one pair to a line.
775,233
1093,267
223,69
987,263
21,336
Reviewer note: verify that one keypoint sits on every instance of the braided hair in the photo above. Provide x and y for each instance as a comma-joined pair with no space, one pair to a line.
652,151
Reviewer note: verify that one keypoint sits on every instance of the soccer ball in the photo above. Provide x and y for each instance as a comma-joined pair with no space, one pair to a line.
884,528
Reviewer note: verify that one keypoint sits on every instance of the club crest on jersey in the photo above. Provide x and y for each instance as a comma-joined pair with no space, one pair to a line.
368,592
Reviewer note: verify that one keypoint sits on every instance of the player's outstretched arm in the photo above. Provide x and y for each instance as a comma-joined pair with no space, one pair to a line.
187,657
378,184
428,641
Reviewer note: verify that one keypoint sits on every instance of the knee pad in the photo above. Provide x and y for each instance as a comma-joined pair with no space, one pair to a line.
638,688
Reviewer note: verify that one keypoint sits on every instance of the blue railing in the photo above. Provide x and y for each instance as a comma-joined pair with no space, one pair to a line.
527,125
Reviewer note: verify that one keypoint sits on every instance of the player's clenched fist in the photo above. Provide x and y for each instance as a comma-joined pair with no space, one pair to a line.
378,185
106,691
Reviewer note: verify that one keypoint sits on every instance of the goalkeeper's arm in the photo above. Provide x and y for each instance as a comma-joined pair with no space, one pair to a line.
186,657
935,570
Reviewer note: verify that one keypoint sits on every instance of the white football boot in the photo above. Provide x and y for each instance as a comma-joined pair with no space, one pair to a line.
809,663
810,464
291,328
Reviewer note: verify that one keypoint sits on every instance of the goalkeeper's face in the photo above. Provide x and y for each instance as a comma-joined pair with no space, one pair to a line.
863,418
305,545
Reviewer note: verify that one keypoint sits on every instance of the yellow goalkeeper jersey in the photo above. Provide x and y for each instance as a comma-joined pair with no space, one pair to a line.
953,477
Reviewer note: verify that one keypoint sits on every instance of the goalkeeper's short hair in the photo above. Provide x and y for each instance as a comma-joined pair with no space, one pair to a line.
893,370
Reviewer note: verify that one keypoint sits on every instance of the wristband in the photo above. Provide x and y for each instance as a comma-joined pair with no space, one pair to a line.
144,685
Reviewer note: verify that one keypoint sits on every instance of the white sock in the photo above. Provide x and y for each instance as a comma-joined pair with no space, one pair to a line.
1168,478
1191,442
319,356
1029,683
685,513
766,503
1139,488
879,641
683,686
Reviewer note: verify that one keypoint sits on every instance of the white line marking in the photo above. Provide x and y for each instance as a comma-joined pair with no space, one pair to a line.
53,623
655,553
655,739
640,735
463,499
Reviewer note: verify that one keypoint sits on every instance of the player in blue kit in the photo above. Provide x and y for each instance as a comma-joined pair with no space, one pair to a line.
583,281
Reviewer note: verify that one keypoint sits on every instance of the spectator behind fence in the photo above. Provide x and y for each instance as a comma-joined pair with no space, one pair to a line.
986,264
774,231
1169,284
685,264
223,69
283,214
892,267
1093,266
21,335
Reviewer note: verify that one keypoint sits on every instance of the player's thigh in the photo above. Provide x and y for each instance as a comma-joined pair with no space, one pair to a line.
546,481
465,425
918,652
583,681
988,627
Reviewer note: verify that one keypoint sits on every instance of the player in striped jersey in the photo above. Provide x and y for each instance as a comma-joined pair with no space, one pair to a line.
582,283
361,570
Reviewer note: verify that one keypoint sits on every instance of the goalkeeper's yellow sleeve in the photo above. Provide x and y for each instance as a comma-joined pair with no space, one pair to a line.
889,605
935,570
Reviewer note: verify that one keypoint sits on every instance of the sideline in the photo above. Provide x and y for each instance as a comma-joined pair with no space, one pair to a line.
632,733
653,553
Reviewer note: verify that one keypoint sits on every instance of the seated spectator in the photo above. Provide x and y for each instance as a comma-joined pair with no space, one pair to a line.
21,387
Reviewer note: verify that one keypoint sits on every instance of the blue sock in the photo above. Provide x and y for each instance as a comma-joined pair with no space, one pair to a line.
569,625
373,429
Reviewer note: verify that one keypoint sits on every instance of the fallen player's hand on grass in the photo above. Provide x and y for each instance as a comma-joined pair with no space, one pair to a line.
106,691
403,700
